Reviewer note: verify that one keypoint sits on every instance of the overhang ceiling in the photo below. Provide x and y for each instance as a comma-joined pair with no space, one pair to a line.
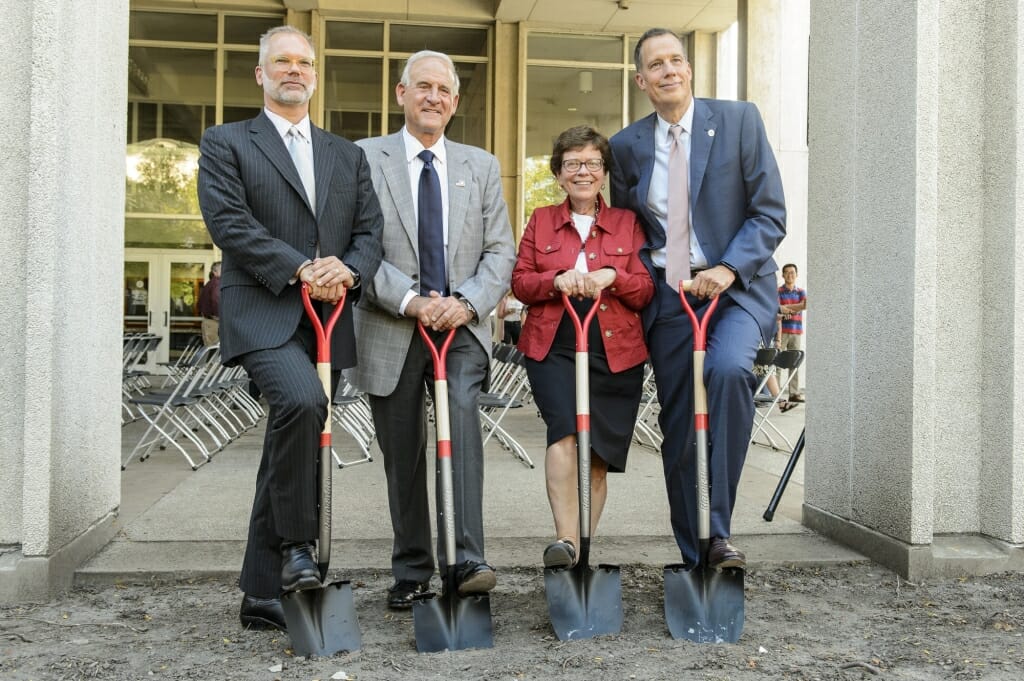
617,16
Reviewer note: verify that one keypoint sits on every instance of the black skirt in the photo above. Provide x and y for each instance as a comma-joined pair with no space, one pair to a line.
614,398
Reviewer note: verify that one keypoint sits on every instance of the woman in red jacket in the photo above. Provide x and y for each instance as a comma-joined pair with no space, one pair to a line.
581,247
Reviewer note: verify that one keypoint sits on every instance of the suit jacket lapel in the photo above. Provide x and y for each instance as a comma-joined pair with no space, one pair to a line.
701,138
323,168
644,150
459,176
396,174
266,138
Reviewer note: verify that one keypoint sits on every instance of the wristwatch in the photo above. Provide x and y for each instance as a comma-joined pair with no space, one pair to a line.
469,306
355,277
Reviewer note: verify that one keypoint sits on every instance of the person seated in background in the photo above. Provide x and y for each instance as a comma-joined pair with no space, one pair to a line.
582,247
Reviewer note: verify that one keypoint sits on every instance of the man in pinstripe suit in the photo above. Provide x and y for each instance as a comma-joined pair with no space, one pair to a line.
394,368
288,204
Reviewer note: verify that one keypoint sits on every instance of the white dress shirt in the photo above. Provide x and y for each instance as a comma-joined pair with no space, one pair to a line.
657,196
413,147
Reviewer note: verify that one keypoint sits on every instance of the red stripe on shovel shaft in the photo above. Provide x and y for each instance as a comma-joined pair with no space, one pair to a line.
325,439
700,421
444,449
582,423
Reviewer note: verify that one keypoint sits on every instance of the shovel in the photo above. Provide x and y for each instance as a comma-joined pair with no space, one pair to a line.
583,602
448,621
323,621
702,604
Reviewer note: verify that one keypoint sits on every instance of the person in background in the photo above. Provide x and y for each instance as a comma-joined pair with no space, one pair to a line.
448,254
702,178
582,247
209,307
792,303
510,312
288,204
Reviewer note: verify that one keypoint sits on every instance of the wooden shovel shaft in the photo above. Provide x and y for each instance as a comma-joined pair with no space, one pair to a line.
700,410
582,411
323,370
442,424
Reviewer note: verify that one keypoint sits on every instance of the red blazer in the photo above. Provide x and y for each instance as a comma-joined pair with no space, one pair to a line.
550,246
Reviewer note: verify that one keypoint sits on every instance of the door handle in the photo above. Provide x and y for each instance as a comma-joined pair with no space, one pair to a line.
165,319
149,318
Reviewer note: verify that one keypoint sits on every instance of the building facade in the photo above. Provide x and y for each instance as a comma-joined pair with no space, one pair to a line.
908,216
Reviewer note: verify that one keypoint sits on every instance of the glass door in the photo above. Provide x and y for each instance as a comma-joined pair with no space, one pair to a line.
161,296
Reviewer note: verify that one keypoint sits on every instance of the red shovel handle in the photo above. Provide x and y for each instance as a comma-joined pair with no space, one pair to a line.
700,327
581,329
323,336
440,357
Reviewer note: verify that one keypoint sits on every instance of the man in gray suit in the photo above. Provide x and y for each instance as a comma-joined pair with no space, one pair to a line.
448,255
288,204
702,178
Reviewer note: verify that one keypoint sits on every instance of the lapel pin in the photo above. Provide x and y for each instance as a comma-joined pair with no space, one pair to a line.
711,133
460,183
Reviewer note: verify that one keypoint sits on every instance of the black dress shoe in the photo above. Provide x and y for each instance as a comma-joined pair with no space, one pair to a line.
298,569
722,554
403,593
475,578
262,613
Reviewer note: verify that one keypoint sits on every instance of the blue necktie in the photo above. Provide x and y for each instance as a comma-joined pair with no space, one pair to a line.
431,229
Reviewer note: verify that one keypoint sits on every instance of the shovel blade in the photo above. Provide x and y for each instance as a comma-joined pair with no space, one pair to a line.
704,605
584,602
322,621
452,622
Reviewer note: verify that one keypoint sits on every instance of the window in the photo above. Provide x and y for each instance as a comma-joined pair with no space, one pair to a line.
363,62
181,80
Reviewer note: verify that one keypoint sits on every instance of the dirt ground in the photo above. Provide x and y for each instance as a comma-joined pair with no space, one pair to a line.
845,622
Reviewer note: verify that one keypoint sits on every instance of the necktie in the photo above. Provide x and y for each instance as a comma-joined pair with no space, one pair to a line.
431,229
302,156
677,240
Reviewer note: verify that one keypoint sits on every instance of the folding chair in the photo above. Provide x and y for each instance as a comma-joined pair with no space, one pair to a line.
352,413
173,419
786,359
509,389
646,431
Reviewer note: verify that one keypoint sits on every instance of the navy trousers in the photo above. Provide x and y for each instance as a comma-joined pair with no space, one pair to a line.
732,343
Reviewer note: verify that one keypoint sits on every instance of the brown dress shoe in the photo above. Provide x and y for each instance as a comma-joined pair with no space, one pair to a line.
475,578
722,554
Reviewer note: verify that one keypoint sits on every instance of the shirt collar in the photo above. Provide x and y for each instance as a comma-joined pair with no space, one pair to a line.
283,125
686,121
413,147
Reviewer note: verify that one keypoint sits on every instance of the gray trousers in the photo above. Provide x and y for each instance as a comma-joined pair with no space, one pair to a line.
400,422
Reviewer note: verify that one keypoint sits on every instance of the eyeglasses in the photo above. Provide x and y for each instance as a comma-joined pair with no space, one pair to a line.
283,63
573,165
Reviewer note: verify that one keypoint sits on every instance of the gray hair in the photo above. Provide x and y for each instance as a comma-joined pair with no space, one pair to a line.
265,40
425,54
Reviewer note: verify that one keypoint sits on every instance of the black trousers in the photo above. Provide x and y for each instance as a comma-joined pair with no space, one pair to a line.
285,504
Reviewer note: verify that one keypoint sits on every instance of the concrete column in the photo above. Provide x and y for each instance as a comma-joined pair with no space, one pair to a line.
777,35
507,143
62,206
704,58
915,438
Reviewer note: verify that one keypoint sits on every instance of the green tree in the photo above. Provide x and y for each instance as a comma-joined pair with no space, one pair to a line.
539,186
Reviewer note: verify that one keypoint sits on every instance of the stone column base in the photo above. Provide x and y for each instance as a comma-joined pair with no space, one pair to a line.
949,555
25,579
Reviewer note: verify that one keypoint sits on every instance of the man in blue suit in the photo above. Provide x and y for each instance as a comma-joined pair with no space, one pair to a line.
722,233
288,204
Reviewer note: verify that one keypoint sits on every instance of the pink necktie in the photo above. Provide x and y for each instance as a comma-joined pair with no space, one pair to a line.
677,240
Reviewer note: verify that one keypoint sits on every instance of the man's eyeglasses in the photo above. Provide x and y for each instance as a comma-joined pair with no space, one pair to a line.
283,63
573,165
